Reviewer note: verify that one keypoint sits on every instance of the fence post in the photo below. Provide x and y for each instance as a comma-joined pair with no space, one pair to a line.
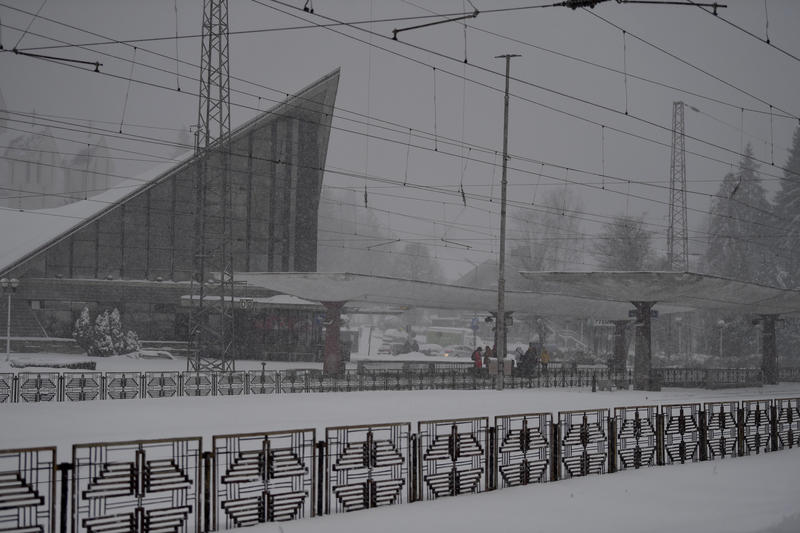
703,437
491,459
555,450
612,441
412,468
660,439
59,388
143,386
773,425
321,496
15,389
594,381
64,468
740,442
207,469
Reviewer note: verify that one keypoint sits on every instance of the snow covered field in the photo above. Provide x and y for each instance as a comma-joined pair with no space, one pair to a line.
744,495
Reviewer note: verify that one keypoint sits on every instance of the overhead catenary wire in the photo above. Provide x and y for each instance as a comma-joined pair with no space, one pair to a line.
623,180
128,90
487,86
528,83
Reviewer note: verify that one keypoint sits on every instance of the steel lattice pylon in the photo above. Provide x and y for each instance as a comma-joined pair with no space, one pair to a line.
211,317
678,229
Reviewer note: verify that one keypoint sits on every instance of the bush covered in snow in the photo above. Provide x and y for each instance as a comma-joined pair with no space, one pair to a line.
106,336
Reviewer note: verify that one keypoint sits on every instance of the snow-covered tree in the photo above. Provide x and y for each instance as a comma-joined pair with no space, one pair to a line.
787,207
547,236
741,245
83,332
415,262
103,344
115,332
742,228
625,245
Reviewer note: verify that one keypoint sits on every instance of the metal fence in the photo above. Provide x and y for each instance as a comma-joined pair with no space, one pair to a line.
25,387
150,486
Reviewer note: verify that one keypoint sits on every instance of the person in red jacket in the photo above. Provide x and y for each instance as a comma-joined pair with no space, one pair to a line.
477,357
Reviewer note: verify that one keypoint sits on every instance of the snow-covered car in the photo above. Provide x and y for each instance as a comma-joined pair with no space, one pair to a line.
457,350
430,349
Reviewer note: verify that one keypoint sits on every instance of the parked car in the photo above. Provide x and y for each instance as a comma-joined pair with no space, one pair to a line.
431,349
457,350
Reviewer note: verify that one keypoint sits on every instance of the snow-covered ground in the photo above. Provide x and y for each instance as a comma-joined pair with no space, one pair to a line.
747,495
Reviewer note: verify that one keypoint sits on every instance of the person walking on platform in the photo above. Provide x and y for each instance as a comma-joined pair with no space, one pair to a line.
545,359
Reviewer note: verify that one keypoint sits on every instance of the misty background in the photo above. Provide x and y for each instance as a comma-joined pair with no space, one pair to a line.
412,182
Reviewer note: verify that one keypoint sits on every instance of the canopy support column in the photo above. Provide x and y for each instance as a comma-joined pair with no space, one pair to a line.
642,358
332,358
769,350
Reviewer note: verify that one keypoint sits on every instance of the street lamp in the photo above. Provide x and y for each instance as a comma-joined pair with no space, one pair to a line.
9,287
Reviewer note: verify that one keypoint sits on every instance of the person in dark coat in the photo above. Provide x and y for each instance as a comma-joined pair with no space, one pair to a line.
529,360
487,354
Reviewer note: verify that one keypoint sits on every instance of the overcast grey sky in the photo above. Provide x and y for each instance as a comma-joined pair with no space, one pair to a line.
398,87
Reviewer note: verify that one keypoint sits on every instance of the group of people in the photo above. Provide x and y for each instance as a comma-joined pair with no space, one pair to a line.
528,362
481,356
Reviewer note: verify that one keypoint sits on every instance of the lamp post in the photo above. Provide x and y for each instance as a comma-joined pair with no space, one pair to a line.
501,275
721,325
9,287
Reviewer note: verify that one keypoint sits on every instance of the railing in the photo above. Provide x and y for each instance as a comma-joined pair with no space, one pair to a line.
24,387
174,484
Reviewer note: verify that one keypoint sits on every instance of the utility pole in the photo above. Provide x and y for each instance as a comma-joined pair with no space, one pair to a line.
501,274
211,317
678,231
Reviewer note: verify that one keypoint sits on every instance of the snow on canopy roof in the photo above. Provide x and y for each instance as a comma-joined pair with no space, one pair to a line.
361,288
698,291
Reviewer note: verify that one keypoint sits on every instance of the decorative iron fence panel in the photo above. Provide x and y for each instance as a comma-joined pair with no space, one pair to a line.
523,448
722,429
162,384
636,436
263,477
230,383
38,386
756,425
584,442
7,392
123,385
144,486
367,466
681,432
453,456
28,490
82,386
198,383
262,382
294,381
788,422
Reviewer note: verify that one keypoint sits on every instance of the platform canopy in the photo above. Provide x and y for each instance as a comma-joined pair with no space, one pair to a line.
368,289
697,291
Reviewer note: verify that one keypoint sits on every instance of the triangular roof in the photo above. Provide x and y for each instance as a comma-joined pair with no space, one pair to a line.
28,233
